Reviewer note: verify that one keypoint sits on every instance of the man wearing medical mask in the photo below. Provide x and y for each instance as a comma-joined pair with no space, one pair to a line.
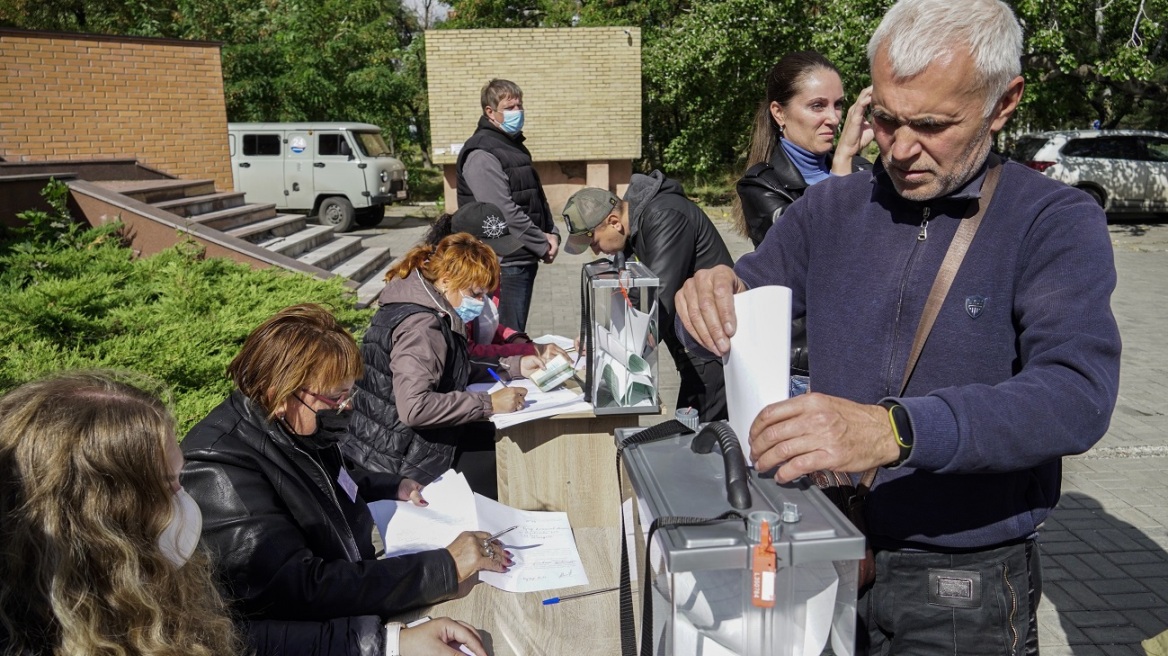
495,167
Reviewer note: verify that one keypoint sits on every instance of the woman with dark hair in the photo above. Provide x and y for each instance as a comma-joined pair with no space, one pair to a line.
793,143
285,515
793,146
415,416
98,538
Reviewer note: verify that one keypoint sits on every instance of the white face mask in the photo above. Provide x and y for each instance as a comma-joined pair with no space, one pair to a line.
180,537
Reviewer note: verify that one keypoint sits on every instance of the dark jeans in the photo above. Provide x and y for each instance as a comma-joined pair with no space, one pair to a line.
515,285
703,386
930,604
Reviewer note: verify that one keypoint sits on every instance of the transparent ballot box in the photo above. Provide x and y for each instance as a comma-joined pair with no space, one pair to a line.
709,583
621,336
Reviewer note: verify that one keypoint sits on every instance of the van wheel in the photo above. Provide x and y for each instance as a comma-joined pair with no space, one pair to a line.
338,212
370,217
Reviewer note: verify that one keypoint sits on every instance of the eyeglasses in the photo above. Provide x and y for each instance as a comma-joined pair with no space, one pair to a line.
339,403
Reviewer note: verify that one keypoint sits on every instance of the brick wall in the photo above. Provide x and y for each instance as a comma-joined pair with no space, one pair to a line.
74,96
581,94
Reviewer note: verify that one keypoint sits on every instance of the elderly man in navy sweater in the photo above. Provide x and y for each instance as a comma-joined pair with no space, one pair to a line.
1020,368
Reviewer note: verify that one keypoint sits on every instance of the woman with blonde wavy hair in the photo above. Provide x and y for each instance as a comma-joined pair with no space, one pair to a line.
97,538
415,416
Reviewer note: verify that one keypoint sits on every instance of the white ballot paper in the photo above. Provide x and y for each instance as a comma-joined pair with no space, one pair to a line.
542,545
758,366
537,404
543,548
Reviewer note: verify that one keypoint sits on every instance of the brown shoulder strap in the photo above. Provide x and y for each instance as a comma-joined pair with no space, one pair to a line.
949,267
944,279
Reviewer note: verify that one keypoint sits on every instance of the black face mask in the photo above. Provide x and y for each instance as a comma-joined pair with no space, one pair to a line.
331,426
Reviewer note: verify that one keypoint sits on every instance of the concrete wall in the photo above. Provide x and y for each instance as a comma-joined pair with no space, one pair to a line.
581,93
76,96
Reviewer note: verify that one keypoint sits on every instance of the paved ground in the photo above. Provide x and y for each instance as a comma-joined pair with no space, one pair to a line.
1106,547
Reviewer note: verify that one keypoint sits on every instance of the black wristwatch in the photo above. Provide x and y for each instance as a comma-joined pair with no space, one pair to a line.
901,430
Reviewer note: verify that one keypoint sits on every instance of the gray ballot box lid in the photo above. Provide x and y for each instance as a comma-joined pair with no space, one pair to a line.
670,480
634,274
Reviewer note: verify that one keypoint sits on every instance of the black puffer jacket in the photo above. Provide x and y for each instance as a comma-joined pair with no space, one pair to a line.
766,191
290,544
674,238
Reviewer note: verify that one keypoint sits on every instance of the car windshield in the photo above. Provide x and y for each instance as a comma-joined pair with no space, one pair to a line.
1027,148
371,144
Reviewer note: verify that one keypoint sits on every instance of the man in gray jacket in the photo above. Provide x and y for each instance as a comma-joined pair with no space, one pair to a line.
495,167
674,238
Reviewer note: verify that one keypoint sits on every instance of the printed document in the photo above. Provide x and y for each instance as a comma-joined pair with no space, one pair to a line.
543,547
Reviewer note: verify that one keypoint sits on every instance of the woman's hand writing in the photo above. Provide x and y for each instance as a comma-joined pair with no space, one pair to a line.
471,554
508,399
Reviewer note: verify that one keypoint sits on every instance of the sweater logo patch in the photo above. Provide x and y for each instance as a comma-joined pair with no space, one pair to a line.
974,305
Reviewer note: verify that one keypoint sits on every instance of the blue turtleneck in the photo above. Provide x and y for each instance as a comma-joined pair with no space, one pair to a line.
814,168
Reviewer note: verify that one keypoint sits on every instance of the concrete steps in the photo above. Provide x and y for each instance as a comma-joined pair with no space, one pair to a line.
197,201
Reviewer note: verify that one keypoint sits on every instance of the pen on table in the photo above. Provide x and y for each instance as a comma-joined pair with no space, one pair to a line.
502,533
496,377
556,600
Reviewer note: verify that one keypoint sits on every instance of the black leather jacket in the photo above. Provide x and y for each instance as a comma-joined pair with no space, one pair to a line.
288,542
768,188
766,191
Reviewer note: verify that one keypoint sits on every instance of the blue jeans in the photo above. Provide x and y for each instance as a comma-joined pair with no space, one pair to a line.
799,385
515,285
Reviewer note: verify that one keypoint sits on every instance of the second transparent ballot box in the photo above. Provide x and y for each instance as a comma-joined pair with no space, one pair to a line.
620,336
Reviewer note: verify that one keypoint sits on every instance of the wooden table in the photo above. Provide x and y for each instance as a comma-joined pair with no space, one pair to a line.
565,463
518,624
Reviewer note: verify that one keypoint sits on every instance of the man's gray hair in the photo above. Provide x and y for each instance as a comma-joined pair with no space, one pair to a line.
918,32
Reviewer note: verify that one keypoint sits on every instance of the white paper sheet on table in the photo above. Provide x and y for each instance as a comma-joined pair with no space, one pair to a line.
406,528
758,366
537,404
543,548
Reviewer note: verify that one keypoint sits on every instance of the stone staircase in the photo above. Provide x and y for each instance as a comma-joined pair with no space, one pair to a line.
197,202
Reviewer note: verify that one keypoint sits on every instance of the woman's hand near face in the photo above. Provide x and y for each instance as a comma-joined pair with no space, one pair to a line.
440,635
855,136
508,399
471,556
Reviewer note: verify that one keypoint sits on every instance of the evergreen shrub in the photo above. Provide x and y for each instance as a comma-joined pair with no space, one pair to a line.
73,296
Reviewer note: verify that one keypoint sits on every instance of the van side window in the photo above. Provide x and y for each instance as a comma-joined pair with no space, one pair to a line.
332,144
261,144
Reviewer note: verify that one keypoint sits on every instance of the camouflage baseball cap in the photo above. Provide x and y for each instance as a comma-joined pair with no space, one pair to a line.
584,211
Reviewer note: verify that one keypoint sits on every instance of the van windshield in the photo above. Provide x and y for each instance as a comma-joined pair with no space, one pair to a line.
371,144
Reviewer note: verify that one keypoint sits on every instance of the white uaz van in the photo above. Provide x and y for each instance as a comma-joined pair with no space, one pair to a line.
341,172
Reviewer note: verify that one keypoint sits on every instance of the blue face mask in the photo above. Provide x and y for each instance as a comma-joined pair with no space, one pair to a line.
469,309
512,121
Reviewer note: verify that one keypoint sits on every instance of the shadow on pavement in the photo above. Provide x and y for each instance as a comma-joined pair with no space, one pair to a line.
1106,579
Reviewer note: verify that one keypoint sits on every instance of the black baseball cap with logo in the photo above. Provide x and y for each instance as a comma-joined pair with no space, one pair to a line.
486,221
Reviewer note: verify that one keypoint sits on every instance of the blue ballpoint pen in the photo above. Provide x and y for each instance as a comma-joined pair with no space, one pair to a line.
496,377
556,600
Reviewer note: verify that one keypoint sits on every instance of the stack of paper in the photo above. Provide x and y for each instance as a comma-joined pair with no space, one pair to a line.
543,548
537,404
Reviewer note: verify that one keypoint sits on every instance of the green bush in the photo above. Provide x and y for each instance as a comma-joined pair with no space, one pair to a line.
72,296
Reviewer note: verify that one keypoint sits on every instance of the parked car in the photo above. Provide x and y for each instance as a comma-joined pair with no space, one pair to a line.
1125,171
341,172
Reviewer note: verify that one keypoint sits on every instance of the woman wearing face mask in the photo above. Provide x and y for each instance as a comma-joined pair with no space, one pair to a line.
793,146
414,415
98,538
285,515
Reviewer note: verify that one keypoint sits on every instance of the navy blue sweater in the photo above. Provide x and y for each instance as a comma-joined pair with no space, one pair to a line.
999,395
